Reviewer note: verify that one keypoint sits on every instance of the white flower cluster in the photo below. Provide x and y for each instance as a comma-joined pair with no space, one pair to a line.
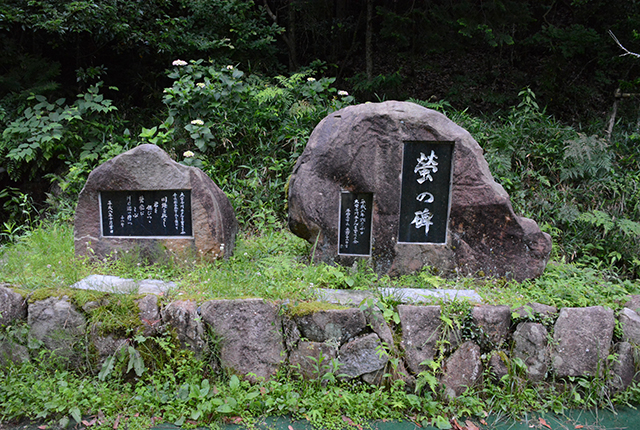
229,67
343,93
179,63
188,154
200,84
197,122
311,79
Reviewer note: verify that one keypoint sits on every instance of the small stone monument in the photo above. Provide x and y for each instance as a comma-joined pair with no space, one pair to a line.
144,201
406,187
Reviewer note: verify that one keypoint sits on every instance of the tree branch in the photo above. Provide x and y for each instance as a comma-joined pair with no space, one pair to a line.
626,51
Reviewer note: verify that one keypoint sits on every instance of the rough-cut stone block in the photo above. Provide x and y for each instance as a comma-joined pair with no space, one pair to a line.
313,359
497,365
339,324
360,149
421,330
12,353
532,310
582,338
149,168
393,374
250,335
623,369
376,321
530,345
57,324
182,315
290,333
494,322
107,346
462,370
12,306
633,303
150,314
630,323
115,284
362,355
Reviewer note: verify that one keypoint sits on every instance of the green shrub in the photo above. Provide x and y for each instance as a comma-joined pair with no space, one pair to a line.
245,131
55,131
580,188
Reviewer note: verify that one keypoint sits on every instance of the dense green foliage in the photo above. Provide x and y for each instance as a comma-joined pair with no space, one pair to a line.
581,188
245,131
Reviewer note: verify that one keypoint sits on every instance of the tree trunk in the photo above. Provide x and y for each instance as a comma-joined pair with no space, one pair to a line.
289,36
368,49
291,29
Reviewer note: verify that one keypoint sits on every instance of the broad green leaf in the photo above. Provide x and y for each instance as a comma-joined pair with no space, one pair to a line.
75,414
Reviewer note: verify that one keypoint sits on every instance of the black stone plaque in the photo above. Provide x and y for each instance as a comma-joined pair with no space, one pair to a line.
355,223
146,213
426,191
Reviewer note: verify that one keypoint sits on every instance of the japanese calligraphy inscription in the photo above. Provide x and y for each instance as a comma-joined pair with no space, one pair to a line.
426,191
146,213
355,223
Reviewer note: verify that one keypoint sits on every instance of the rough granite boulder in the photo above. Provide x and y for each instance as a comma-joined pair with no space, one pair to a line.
582,339
462,370
312,359
12,353
290,333
532,310
633,303
107,345
623,369
421,329
147,167
12,306
494,322
360,149
250,335
57,324
497,365
630,323
375,320
362,355
530,345
150,314
341,325
182,315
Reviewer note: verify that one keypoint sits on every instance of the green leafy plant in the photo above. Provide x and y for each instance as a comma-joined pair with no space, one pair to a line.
245,131
579,187
47,131
19,213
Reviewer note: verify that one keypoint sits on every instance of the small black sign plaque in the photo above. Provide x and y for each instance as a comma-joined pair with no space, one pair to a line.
146,213
355,223
426,192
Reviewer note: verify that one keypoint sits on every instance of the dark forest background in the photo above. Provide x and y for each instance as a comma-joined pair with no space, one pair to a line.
474,54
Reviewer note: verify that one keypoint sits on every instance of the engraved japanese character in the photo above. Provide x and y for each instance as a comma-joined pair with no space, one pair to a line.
426,166
423,219
422,196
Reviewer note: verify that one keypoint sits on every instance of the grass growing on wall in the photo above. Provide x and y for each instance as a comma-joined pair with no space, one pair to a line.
275,265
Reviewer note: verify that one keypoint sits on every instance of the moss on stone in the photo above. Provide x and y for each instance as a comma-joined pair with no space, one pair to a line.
306,308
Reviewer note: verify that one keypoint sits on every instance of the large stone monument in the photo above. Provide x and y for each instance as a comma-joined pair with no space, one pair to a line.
406,187
143,201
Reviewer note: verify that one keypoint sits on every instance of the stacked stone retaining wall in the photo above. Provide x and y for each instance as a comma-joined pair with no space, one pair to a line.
255,338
